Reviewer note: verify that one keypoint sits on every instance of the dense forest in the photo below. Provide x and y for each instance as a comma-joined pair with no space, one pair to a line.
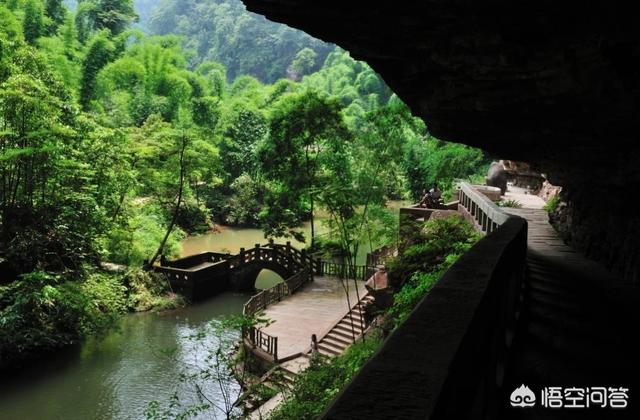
123,133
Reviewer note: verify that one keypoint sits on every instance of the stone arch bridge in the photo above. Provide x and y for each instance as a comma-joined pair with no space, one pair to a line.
203,275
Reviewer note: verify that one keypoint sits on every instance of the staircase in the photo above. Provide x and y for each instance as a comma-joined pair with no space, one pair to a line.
341,336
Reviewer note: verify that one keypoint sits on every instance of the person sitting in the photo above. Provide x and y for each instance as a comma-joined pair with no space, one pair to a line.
434,197
424,201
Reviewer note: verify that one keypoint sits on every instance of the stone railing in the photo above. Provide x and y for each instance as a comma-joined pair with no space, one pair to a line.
259,339
478,209
265,298
446,361
302,277
344,271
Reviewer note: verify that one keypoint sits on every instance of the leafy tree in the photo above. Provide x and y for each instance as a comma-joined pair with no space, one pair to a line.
69,36
429,160
152,78
217,75
85,20
114,15
357,86
242,131
302,64
10,30
33,24
306,135
99,53
57,13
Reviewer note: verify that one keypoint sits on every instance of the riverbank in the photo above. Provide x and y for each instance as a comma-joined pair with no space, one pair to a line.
42,312
117,374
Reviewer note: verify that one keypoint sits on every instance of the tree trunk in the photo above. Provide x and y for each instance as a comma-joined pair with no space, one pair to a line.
313,229
177,208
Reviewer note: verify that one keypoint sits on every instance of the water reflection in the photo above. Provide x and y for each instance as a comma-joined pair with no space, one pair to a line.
116,376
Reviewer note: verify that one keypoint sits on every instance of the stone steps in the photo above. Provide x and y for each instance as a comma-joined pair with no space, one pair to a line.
344,333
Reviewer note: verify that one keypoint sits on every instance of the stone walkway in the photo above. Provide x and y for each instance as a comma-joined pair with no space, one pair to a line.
579,326
314,309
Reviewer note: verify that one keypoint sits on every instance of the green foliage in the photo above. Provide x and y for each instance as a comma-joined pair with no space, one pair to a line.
10,30
510,203
243,207
429,253
33,24
113,16
150,291
307,135
302,64
223,31
552,204
242,129
314,388
430,247
41,312
99,53
106,302
135,241
357,86
57,13
411,293
429,160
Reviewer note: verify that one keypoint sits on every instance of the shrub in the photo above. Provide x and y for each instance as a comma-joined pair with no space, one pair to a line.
245,203
421,265
194,218
438,239
106,302
552,204
314,388
510,203
408,297
41,312
150,291
330,248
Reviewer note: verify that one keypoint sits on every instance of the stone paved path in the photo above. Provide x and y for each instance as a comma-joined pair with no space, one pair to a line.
579,327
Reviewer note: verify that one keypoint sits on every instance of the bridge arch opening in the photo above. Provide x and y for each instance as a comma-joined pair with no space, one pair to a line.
267,278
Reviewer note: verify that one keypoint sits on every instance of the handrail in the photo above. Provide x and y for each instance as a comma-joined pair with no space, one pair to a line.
265,298
486,215
359,272
451,369
263,341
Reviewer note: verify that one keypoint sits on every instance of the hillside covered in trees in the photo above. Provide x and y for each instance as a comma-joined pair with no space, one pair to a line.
115,144
248,44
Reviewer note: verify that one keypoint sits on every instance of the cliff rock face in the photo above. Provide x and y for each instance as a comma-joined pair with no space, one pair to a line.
555,84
